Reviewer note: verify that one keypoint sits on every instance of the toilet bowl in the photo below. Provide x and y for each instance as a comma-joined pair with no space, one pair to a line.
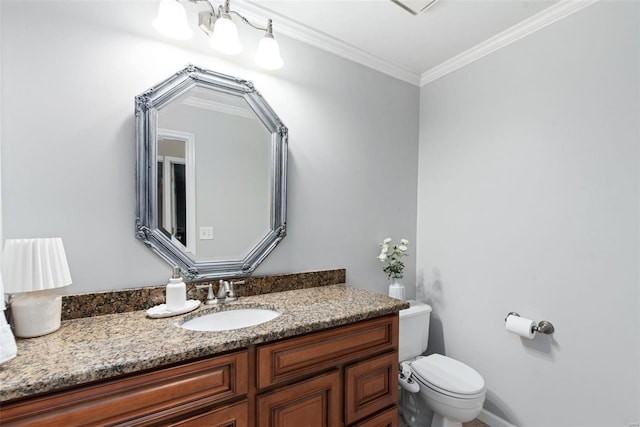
452,390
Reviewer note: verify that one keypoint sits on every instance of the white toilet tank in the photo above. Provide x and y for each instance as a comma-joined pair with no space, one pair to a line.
414,330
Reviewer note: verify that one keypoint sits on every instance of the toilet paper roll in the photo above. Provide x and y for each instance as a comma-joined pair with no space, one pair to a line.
521,326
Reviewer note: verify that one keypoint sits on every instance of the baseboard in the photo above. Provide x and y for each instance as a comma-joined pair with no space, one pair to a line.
493,420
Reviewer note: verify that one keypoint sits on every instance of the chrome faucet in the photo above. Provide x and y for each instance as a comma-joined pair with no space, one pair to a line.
226,292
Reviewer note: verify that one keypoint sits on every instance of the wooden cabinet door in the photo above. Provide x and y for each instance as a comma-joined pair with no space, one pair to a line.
370,386
311,403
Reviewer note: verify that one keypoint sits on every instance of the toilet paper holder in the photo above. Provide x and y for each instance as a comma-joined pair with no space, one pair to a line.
543,327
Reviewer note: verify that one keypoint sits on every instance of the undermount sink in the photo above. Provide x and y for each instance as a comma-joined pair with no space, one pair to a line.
230,319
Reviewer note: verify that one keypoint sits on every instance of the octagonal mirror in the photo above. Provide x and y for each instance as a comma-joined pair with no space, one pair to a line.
211,174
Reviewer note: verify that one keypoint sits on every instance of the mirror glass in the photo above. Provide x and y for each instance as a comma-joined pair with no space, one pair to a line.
211,173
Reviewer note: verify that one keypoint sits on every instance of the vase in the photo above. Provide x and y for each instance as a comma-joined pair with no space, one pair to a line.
396,288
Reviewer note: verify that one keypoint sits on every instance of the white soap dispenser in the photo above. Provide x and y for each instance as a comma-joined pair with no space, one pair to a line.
176,291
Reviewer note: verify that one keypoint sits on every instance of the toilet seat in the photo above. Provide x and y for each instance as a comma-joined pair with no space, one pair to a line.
448,376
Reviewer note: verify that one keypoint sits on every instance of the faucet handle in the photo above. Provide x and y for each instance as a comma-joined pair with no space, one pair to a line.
232,291
211,298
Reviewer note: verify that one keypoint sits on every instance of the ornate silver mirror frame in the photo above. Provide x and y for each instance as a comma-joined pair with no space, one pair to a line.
148,230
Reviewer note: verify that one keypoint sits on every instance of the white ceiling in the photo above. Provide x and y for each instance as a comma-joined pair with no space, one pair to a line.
382,35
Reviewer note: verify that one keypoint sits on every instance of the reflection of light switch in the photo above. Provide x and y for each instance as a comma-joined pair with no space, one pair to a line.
206,233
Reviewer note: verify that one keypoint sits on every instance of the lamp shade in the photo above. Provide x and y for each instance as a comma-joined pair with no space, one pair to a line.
34,265
172,20
268,56
225,36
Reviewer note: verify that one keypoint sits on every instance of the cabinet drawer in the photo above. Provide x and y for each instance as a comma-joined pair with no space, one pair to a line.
370,386
311,403
311,353
388,418
120,400
232,415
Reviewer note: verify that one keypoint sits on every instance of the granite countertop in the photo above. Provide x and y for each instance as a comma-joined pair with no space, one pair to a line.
95,348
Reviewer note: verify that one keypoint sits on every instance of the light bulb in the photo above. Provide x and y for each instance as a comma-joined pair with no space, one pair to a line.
225,36
268,56
172,20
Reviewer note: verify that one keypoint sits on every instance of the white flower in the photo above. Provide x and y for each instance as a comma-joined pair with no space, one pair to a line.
392,256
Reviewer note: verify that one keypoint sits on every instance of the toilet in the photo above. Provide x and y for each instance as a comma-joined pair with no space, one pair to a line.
450,390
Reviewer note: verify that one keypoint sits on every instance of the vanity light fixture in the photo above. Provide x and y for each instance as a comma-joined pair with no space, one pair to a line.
219,26
32,268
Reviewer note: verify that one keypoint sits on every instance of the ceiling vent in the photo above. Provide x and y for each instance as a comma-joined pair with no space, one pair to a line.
414,7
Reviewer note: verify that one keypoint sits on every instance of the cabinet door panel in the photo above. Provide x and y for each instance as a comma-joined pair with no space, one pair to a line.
370,386
311,403
293,357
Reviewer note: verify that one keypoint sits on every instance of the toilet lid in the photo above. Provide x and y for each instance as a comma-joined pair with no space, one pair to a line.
448,374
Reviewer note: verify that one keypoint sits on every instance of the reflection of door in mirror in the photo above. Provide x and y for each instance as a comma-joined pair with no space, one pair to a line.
232,178
175,173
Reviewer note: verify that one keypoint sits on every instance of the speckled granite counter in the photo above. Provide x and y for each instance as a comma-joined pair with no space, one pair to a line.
95,348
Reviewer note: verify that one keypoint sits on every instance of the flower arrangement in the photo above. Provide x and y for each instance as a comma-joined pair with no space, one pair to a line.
395,267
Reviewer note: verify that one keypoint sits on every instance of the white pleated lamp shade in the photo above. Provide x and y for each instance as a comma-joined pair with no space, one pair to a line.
30,265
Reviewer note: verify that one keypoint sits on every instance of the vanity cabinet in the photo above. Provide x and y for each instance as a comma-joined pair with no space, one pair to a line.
167,396
330,378
344,376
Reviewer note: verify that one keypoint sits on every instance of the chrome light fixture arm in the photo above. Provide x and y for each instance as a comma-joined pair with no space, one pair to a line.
268,29
206,19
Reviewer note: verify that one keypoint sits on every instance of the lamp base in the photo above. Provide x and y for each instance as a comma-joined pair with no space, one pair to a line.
36,314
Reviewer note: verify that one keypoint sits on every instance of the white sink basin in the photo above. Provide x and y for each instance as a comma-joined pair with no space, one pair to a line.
230,319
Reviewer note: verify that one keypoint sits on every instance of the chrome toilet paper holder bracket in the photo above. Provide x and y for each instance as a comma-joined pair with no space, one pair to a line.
543,327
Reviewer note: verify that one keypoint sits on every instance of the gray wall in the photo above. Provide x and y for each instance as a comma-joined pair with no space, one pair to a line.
528,201
68,144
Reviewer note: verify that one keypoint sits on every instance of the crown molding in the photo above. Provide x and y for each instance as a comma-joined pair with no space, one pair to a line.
530,25
305,34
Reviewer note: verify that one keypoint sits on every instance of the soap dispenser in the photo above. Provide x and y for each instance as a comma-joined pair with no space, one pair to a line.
176,291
